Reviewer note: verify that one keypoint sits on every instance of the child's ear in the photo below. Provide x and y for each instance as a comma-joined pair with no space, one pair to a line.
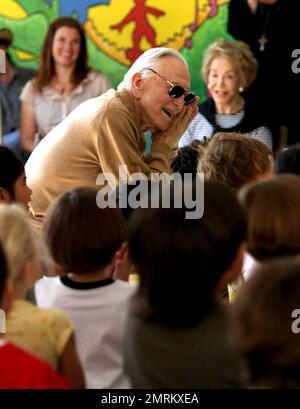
122,266
8,295
235,267
5,197
58,270
233,271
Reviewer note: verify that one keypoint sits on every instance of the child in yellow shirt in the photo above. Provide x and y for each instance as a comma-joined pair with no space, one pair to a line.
46,333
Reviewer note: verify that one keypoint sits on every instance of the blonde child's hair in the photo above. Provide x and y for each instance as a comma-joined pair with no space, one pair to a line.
17,237
234,159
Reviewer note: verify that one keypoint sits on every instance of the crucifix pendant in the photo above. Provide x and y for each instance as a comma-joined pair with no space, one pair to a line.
262,42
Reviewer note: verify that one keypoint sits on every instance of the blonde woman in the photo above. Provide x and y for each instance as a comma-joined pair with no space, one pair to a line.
228,70
45,333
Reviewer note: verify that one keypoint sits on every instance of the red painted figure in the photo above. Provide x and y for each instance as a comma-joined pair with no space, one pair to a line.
138,14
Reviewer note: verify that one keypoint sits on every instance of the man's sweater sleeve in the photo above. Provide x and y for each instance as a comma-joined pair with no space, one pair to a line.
119,142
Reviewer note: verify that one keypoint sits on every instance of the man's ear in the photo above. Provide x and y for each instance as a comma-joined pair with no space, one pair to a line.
5,197
137,84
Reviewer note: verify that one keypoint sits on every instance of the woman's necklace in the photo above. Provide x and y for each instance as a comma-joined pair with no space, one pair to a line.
263,39
233,109
63,87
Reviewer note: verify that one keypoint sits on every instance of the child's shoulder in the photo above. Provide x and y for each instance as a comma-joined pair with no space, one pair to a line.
25,310
48,283
126,287
45,290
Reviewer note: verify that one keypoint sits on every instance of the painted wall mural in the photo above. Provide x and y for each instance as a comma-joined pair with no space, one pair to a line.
118,31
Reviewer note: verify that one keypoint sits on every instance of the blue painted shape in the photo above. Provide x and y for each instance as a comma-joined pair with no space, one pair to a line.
67,7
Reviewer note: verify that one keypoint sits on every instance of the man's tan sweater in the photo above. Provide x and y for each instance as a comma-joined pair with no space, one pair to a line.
98,136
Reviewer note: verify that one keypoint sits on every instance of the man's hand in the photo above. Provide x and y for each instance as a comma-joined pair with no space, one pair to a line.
254,3
178,126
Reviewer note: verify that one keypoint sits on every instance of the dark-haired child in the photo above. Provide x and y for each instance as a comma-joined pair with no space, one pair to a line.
13,186
83,241
176,334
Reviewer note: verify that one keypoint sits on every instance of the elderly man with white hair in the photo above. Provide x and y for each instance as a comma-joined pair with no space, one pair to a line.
108,131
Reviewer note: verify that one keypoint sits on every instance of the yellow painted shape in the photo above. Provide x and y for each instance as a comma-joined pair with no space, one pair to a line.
24,56
11,9
178,41
204,8
178,14
104,16
172,29
104,45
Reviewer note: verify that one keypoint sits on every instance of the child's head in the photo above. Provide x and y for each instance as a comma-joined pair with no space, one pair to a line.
187,158
288,161
13,186
182,261
263,322
272,211
82,237
19,244
235,159
129,196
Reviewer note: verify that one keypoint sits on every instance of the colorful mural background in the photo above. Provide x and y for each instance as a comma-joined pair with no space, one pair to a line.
119,30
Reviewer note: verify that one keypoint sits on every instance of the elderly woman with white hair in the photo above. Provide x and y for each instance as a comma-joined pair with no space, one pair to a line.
228,70
103,133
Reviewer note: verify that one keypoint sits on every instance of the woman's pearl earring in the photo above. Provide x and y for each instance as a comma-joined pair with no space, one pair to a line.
241,89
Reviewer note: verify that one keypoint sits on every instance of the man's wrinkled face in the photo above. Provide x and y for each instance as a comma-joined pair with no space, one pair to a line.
157,109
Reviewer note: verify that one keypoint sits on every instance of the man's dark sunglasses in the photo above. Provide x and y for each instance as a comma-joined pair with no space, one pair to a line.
176,91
